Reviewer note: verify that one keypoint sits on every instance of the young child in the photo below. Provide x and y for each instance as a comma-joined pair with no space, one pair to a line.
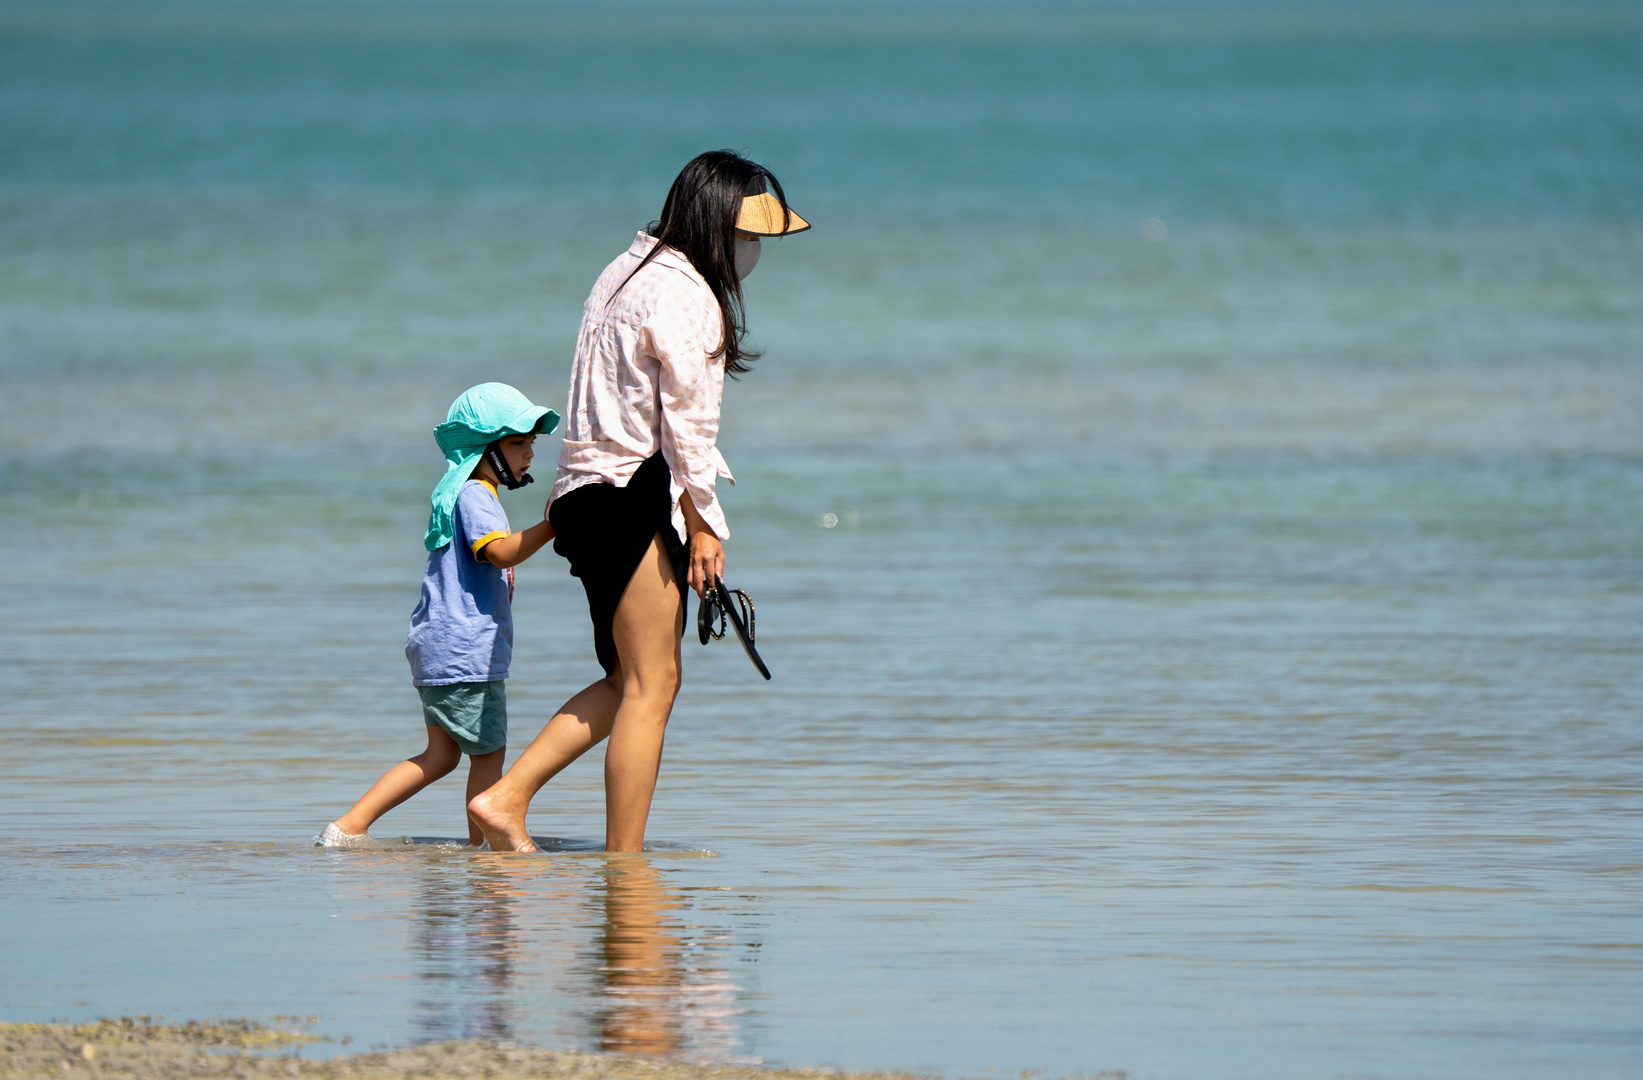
461,634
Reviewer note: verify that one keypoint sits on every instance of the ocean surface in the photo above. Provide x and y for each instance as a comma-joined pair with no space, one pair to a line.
1193,496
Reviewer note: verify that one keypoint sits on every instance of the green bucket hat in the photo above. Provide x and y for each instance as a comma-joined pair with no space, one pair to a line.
478,418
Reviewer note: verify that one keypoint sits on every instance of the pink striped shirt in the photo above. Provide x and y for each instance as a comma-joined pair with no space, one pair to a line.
642,382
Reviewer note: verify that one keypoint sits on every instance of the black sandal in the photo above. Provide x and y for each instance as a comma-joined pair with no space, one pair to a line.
716,605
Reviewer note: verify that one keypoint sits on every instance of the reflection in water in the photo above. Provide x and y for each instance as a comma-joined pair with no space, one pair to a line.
641,962
666,989
511,948
465,939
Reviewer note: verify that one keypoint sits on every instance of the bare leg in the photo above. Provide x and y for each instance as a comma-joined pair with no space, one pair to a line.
634,702
483,771
646,629
581,723
402,781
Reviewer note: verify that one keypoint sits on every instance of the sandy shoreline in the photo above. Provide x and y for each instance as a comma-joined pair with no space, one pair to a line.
141,1050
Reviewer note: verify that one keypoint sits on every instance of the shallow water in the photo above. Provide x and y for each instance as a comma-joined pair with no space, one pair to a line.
1223,659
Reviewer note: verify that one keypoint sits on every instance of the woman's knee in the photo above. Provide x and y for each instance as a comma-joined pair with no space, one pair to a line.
658,682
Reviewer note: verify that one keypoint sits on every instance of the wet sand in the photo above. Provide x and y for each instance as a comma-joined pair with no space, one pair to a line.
142,1050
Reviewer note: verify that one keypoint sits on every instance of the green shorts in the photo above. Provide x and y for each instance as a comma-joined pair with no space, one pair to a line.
475,714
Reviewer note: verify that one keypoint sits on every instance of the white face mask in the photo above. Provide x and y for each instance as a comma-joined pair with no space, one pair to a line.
747,256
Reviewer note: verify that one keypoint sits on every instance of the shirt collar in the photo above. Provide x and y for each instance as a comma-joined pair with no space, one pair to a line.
672,258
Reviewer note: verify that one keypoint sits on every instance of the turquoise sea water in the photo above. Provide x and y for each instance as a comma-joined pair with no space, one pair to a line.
1224,658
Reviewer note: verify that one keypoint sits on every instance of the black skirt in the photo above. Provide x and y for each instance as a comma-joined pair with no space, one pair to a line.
605,530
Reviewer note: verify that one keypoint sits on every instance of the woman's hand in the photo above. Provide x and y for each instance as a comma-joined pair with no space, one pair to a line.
707,560
707,555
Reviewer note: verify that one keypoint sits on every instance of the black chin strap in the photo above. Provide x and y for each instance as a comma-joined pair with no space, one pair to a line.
499,466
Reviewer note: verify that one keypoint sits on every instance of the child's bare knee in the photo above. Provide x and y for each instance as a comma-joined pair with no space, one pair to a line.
439,761
486,767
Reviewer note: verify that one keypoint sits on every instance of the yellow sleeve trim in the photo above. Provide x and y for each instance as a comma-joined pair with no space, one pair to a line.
488,537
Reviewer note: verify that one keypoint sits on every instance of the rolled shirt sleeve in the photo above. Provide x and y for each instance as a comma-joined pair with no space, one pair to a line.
690,389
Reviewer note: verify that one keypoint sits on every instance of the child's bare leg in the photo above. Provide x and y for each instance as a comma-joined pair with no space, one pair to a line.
402,781
483,771
581,724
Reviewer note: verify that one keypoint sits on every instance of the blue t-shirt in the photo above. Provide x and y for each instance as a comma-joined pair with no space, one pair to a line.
462,630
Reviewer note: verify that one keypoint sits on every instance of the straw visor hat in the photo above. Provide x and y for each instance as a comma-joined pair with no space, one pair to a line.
761,214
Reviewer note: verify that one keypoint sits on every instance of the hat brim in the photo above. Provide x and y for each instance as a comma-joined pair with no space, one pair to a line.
546,422
762,215
536,420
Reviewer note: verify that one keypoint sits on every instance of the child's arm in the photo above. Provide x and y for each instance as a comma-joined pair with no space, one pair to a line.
515,548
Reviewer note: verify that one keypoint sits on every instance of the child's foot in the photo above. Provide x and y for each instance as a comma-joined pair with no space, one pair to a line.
335,837
503,829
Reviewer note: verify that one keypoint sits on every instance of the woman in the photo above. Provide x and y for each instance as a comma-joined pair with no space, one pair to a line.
634,508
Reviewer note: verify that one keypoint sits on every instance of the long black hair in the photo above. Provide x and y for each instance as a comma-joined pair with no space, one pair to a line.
699,220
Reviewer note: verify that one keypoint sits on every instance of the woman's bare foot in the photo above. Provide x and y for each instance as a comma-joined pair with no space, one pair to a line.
502,820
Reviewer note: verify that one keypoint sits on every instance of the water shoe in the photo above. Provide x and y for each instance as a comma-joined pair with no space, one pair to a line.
335,837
